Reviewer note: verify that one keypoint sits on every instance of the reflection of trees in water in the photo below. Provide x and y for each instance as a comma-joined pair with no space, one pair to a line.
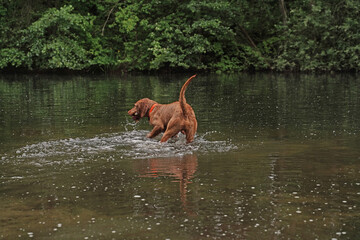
182,169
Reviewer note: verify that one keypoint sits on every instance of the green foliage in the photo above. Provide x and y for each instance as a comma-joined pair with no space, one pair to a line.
185,35
209,35
59,39
11,56
321,36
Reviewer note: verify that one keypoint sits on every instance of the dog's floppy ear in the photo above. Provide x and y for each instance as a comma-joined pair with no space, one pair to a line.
143,108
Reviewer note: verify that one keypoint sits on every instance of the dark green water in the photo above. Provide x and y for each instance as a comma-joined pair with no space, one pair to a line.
275,157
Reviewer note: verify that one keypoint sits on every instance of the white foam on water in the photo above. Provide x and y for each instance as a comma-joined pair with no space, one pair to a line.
128,144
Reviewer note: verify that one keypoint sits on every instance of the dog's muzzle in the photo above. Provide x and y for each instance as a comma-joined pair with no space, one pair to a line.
134,114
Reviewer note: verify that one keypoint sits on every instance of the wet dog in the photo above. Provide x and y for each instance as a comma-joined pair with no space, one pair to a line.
168,118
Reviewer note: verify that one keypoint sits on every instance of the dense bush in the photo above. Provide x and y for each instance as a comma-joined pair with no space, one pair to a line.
321,35
59,39
150,35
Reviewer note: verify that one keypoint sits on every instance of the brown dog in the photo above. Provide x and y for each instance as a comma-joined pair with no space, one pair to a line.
168,118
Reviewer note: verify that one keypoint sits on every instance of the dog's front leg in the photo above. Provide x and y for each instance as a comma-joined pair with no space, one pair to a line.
156,130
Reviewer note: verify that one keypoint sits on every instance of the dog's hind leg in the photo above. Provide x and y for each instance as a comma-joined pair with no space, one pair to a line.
156,130
190,136
169,134
172,129
190,132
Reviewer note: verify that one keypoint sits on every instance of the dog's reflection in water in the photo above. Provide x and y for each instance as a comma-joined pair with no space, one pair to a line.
182,169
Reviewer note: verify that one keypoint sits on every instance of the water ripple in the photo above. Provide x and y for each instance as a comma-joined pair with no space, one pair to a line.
129,144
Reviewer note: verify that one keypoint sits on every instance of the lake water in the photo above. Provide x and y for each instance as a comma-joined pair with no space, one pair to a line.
275,157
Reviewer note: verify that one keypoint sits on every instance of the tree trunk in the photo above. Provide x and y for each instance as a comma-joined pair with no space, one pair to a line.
283,11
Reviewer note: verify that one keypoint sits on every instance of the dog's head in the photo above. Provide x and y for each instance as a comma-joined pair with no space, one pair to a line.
141,109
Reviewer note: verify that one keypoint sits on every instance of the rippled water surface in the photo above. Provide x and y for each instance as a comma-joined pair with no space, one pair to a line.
275,157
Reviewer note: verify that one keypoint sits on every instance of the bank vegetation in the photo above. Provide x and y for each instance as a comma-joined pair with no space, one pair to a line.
172,35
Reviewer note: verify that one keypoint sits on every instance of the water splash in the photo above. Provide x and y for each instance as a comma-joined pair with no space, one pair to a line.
128,144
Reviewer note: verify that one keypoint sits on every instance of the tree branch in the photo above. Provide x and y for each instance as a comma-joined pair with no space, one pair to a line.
248,37
283,10
107,19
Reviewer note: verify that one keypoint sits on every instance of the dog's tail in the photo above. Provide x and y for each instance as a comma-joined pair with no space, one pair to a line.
182,99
